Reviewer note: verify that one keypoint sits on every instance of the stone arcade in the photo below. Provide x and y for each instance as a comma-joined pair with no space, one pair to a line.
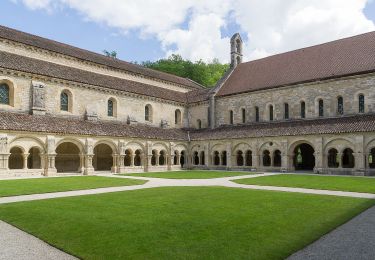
65,110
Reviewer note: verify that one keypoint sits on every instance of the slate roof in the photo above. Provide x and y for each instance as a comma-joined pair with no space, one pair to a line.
349,56
76,126
49,124
348,124
39,67
50,45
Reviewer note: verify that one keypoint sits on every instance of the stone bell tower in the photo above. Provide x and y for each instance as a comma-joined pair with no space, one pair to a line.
235,50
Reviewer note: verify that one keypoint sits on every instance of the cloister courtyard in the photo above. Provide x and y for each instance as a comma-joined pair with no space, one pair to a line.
183,214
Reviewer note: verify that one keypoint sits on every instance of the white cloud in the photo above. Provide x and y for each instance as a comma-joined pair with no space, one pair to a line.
193,28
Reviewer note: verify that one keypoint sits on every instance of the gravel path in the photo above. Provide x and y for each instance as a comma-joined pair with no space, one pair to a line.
16,244
353,240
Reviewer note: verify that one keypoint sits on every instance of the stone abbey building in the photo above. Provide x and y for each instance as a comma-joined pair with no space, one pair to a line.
67,110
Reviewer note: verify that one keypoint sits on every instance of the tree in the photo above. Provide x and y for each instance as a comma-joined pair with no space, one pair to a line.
112,54
206,74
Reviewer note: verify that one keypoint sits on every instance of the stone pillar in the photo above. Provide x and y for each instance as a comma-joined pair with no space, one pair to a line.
169,163
115,165
220,159
25,155
207,156
132,156
148,164
229,155
339,155
121,164
285,162
156,159
89,169
82,163
359,156
172,159
50,168
255,161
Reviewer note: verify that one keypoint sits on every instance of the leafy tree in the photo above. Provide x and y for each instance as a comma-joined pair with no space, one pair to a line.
111,54
206,74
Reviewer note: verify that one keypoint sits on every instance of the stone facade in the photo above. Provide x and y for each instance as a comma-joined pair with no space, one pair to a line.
55,152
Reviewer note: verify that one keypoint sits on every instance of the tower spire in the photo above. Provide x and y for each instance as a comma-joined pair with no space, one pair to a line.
236,50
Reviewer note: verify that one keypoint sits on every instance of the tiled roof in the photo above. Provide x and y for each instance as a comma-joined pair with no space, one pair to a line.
43,43
349,56
39,67
74,126
198,95
349,124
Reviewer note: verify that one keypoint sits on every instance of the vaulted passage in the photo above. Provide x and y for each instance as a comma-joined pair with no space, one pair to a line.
304,157
34,160
67,158
102,160
16,158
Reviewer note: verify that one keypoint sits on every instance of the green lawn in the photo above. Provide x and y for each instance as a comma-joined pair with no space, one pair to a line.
45,185
189,174
342,183
183,222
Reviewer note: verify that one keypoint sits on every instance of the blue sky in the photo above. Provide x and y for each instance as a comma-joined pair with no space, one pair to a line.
69,24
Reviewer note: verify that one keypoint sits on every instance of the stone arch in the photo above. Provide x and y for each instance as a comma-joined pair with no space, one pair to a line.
10,85
241,146
34,159
266,158
269,145
16,158
128,157
163,157
303,155
26,142
109,143
154,155
103,156
138,157
76,142
134,145
68,157
339,143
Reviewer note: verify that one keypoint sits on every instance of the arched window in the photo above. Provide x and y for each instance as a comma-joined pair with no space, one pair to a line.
286,111
321,107
277,158
347,158
249,158
240,160
162,158
199,124
238,46
202,158
231,119
216,158
196,158
333,160
303,109
361,103
256,114
243,115
340,106
148,113
64,101
4,94
224,158
177,117
266,158
138,158
271,112
110,108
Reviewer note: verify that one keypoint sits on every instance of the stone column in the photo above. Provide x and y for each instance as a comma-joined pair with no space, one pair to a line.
229,155
319,156
25,155
207,156
255,161
132,156
50,168
148,164
169,163
121,164
285,162
339,155
89,169
156,159
82,163
115,165
172,159
359,163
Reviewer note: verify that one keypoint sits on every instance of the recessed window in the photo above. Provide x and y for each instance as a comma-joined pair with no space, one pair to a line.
321,107
256,114
271,112
110,107
199,124
64,101
243,115
4,94
286,111
177,117
231,119
148,113
361,103
303,109
340,106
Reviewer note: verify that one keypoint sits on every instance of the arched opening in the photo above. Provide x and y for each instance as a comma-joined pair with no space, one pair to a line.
128,158
182,159
103,160
33,160
340,105
216,158
111,107
243,112
333,161
66,101
4,94
239,158
270,110
304,158
231,117
177,117
196,158
249,158
371,158
162,158
224,158
199,124
202,156
277,158
266,158
303,109
175,158
347,158
153,157
286,111
256,114
321,107
148,113
16,158
361,103
67,158
138,158
238,46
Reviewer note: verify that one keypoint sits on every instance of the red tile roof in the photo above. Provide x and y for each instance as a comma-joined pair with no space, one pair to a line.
349,56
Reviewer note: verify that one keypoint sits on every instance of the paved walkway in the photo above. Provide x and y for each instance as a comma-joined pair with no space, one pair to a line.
353,240
16,244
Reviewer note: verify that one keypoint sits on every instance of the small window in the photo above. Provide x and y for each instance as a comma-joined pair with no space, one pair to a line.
231,120
286,111
256,114
110,107
177,117
321,107
361,103
199,124
148,113
64,101
303,109
271,112
340,106
4,94
243,115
